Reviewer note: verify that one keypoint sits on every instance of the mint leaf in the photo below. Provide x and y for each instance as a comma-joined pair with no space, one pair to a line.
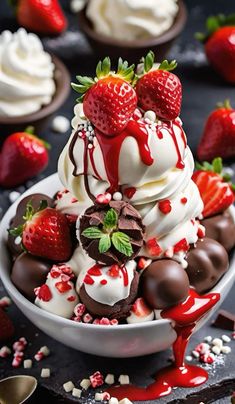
92,232
217,165
121,242
111,219
104,243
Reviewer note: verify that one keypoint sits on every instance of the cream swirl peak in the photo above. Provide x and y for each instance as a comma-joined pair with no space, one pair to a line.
131,19
26,74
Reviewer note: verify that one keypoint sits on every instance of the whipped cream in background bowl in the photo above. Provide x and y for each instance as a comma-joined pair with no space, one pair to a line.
129,28
33,83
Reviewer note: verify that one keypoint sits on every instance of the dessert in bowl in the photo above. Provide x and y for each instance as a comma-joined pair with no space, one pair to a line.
34,84
130,29
117,261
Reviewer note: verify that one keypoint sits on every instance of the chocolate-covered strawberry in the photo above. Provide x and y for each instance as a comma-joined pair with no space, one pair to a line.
112,233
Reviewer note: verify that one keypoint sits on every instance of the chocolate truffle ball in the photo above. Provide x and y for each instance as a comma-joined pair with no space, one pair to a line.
14,243
207,262
29,272
164,283
222,229
119,310
128,225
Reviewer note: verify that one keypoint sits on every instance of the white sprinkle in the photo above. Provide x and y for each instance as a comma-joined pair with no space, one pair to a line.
28,363
204,348
124,379
218,342
125,401
88,133
90,146
216,349
113,400
77,5
226,338
45,372
90,138
225,350
189,358
195,354
90,128
109,378
60,124
45,350
68,386
208,338
18,240
98,396
150,115
13,196
80,134
85,384
76,392
117,196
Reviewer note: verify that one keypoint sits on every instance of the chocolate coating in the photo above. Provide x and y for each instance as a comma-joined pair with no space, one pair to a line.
129,222
164,283
35,199
29,272
119,310
222,229
207,262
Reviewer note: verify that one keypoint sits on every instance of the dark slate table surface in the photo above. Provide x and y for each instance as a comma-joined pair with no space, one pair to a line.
202,89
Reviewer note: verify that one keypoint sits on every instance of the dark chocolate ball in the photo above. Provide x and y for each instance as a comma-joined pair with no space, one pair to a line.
29,272
164,283
119,310
13,243
207,262
222,229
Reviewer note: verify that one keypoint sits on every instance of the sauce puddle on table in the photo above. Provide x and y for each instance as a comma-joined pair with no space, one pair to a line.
185,316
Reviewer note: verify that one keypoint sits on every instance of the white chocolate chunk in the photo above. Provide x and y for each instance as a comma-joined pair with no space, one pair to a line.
68,386
76,392
124,379
45,372
85,384
28,363
109,379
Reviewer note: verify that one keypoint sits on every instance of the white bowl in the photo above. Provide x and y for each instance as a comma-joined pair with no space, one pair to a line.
126,340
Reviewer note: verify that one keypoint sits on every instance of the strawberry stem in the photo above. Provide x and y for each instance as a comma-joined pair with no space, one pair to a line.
226,104
29,130
213,23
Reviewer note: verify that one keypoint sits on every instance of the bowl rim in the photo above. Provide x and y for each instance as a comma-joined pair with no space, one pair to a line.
170,34
59,97
12,290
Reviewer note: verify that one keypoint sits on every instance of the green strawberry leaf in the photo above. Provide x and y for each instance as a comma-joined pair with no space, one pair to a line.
149,61
103,68
165,65
104,243
43,205
121,242
213,23
92,232
16,231
217,165
29,211
226,177
111,219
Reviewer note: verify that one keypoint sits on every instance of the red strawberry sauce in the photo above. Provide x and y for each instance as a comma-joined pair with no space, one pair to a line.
185,315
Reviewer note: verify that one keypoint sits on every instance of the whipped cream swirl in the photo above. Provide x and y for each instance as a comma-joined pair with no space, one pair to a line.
26,74
130,20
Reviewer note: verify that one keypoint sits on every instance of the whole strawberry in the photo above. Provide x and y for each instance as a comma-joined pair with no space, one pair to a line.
6,326
45,233
219,134
220,45
216,190
23,156
159,90
45,17
109,100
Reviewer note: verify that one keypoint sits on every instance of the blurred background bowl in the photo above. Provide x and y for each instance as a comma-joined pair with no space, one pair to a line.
103,45
41,118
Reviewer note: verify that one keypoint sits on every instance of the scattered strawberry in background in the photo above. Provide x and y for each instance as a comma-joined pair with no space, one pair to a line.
45,233
23,156
220,45
6,326
158,89
44,17
219,134
216,189
109,101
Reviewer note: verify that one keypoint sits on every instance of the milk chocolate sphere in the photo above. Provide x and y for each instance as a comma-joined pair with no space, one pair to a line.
14,243
164,283
207,262
222,229
29,272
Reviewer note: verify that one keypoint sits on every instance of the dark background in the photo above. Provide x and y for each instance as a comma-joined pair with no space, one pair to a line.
202,89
